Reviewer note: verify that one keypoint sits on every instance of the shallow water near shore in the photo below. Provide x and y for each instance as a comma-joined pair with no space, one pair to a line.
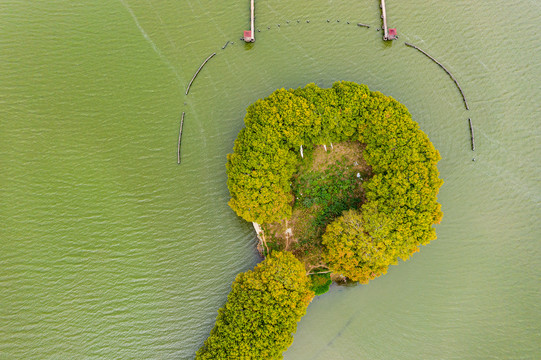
112,250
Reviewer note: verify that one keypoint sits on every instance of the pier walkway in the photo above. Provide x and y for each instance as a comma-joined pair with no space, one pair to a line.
388,34
249,36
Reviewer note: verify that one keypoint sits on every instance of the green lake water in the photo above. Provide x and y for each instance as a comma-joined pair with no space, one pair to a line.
110,250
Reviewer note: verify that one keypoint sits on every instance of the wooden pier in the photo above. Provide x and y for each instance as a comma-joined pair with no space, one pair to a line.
249,36
388,34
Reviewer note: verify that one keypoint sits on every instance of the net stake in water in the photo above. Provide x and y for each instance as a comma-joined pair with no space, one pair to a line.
472,137
180,137
444,69
197,72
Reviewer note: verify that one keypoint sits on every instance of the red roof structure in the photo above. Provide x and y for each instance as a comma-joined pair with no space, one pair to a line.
248,36
392,33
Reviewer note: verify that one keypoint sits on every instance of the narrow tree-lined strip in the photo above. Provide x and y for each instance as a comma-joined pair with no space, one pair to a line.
197,72
472,136
447,71
180,137
262,310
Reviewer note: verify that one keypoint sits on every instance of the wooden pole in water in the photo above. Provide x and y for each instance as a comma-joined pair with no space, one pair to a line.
472,136
197,72
447,71
180,137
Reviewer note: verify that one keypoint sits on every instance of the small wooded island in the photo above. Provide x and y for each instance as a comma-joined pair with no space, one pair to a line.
343,183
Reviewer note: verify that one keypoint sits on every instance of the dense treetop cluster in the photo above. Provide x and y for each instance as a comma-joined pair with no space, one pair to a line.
401,195
261,312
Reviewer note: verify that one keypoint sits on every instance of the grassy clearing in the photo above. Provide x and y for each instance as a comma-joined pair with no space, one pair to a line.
327,183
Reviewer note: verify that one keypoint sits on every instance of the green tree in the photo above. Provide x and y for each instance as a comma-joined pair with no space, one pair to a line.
261,312
360,245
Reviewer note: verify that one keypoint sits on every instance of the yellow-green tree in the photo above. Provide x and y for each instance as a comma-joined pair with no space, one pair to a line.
261,312
360,245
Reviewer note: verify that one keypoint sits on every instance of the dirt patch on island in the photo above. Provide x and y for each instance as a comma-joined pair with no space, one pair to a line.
301,234
350,153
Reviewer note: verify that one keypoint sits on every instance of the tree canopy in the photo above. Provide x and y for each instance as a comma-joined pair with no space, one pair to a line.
401,195
261,312
360,244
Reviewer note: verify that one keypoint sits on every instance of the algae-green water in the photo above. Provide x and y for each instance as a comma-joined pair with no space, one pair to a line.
110,250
